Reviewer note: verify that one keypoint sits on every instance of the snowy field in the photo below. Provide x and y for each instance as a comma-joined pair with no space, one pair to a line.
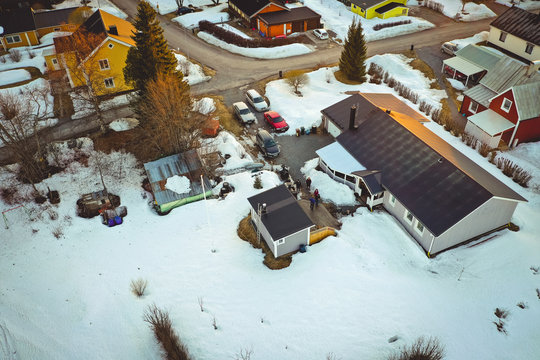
470,12
529,5
324,90
214,14
14,76
104,5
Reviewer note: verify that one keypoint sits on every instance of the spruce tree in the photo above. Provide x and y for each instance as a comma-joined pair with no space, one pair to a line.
151,54
352,62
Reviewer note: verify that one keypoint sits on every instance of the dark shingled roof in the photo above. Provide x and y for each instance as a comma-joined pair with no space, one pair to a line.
17,21
284,216
434,181
295,14
372,179
50,18
365,4
388,7
252,7
520,23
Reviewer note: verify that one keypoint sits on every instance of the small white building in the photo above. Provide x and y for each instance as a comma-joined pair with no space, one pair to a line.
282,223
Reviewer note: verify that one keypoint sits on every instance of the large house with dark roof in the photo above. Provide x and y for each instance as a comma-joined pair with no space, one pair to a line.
272,18
516,32
441,197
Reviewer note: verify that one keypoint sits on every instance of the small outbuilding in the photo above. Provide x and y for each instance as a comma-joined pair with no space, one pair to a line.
294,20
184,169
282,223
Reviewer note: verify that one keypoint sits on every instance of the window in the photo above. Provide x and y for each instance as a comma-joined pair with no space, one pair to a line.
506,105
409,217
473,107
111,45
502,37
109,83
54,61
281,241
392,200
529,48
56,29
104,64
419,228
13,39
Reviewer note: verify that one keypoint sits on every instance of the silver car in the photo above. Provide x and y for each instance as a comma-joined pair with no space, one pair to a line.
449,47
243,113
321,34
256,100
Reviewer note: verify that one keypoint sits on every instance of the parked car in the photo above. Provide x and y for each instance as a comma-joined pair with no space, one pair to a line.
321,34
256,100
243,113
449,47
266,143
276,121
184,10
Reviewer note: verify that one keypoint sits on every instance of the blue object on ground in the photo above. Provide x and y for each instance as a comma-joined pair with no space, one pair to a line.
110,223
303,248
117,220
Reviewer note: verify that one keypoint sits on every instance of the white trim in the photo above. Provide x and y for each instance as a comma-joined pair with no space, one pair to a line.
504,102
406,218
417,229
100,45
112,80
27,38
280,241
431,245
507,199
275,248
532,48
12,41
470,106
107,63
265,6
500,35
68,73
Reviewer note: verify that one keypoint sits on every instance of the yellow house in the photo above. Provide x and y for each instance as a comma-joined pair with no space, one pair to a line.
382,9
95,54
67,19
18,29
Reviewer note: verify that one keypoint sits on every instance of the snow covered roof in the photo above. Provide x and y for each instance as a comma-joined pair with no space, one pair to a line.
185,164
336,157
463,66
283,216
433,180
490,122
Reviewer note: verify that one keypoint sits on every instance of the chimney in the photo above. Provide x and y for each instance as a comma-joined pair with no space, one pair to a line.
113,30
352,117
388,111
533,67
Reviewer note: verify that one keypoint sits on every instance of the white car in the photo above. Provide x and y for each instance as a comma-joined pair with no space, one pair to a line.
243,113
321,34
449,47
256,100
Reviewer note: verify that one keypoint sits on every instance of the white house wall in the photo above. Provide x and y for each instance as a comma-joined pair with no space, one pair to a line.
492,214
264,233
293,242
481,135
331,127
513,44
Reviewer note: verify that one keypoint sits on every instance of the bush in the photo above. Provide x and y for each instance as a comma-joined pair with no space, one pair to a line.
15,55
501,313
138,287
236,39
434,5
484,149
58,232
425,107
422,349
392,24
469,140
160,323
507,166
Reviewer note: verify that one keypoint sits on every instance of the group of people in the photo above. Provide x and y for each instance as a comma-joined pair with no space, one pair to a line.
314,200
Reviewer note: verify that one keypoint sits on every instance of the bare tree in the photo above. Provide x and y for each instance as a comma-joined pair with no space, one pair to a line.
180,3
21,115
296,79
92,77
167,117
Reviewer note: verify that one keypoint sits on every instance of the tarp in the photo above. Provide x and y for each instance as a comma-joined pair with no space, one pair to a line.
463,66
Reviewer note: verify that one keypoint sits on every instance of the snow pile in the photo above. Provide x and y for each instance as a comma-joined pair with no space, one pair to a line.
338,17
14,76
169,6
104,5
85,108
214,14
193,73
48,39
124,124
234,30
456,84
474,12
475,39
37,61
258,53
329,190
63,153
204,106
178,184
231,150
529,5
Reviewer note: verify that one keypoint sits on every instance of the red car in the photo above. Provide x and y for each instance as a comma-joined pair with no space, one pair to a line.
276,121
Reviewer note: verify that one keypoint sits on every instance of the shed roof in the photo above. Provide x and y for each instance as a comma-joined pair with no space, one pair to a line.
17,21
521,23
185,164
479,56
372,179
527,98
252,7
491,122
48,18
463,66
335,156
507,73
388,7
294,14
366,4
433,180
283,216
480,94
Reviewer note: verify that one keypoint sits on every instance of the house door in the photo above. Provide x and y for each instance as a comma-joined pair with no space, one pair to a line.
297,26
56,66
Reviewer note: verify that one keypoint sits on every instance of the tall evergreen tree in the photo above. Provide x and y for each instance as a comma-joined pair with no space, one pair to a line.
151,55
352,62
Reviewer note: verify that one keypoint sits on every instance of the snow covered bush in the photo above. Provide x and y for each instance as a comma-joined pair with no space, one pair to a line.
138,287
421,349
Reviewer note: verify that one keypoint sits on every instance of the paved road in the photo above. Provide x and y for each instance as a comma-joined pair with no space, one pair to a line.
234,70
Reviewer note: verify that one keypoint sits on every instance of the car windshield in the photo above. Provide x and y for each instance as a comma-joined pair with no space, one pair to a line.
258,99
277,119
244,111
268,143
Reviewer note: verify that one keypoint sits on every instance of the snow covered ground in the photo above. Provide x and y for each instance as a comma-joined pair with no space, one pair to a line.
14,76
471,11
475,39
104,5
29,57
193,73
324,90
214,14
84,108
529,5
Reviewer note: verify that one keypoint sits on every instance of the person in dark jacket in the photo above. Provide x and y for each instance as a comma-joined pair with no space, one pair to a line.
308,183
311,203
317,197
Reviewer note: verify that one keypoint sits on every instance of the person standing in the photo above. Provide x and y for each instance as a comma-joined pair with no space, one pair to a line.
308,183
317,197
311,202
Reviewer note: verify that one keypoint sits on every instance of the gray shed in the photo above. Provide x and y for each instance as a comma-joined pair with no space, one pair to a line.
283,225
